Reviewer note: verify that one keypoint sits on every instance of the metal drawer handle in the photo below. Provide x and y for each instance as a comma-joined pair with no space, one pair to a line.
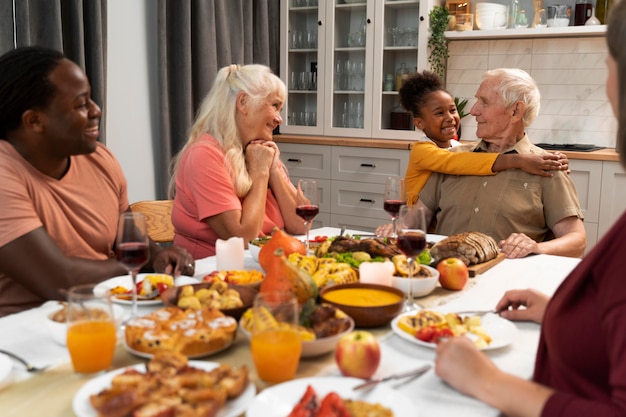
368,165
294,160
368,200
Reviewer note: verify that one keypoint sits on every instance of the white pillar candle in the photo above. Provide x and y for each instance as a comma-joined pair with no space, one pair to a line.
229,254
376,273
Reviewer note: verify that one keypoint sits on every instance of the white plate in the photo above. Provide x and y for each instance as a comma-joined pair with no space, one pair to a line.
502,331
124,281
6,364
150,355
279,400
82,407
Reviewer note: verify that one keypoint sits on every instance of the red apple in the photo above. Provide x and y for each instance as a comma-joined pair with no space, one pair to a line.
453,274
358,354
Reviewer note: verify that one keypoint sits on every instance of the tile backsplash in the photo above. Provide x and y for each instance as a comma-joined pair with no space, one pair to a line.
570,74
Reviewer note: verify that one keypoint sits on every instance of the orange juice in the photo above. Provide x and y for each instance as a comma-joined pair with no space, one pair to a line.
276,354
91,345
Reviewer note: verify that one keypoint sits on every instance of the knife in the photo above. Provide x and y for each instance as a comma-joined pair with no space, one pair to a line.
415,372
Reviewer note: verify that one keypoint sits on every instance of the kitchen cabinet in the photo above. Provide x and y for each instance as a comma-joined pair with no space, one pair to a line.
335,55
351,180
613,201
587,178
601,188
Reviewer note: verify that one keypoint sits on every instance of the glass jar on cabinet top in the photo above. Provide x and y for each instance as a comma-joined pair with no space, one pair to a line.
354,44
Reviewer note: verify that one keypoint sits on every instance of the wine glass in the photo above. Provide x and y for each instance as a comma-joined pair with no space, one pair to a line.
132,248
412,242
394,198
307,204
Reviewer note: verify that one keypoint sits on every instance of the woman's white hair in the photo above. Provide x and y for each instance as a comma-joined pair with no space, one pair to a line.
216,116
517,85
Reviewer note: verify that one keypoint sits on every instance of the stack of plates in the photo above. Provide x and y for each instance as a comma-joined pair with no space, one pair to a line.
491,16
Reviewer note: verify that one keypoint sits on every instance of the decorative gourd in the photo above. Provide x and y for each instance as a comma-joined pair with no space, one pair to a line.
279,239
282,275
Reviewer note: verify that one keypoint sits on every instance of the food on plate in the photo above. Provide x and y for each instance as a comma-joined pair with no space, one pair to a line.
429,326
332,405
218,296
237,277
260,241
148,289
453,274
324,271
282,240
358,354
60,316
318,322
189,332
402,268
471,247
375,247
170,387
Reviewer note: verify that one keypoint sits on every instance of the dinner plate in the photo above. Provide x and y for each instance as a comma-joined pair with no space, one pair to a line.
502,331
6,364
124,281
82,407
279,400
150,355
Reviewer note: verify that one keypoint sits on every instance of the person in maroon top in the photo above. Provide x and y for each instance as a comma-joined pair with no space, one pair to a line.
580,368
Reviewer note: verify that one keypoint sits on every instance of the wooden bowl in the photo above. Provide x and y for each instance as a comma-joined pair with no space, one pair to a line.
246,292
365,315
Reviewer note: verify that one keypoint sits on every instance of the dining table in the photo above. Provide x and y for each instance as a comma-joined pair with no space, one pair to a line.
51,393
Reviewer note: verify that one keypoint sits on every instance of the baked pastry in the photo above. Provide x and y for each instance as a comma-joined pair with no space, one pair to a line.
170,387
189,332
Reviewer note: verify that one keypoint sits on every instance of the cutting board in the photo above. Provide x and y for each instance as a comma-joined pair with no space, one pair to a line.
485,266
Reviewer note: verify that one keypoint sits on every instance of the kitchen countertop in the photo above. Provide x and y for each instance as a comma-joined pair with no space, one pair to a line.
607,154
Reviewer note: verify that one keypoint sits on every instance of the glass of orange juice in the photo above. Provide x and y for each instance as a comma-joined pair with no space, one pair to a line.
91,330
275,343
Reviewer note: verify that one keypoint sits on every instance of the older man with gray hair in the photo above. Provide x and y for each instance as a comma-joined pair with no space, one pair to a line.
525,213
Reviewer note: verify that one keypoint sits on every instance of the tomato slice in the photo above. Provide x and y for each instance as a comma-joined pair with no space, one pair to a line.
443,333
426,334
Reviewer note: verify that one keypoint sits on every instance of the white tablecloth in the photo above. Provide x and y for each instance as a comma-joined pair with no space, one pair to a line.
26,333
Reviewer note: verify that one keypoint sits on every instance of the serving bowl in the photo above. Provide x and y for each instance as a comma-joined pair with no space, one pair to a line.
254,250
311,348
58,329
370,305
246,293
421,286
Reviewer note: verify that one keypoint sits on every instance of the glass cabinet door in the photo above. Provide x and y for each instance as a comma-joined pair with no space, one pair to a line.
349,54
301,37
397,56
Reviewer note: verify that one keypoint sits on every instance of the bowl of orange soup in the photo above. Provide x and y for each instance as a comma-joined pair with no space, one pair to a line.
369,305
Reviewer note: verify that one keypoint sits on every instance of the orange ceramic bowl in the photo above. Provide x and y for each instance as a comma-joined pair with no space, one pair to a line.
370,305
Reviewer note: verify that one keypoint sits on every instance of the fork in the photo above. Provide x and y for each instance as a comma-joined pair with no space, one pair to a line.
29,367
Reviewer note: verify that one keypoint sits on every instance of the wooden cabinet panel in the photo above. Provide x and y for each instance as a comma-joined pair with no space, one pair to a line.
367,164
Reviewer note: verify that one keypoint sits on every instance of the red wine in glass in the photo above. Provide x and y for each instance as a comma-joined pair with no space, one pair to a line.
412,243
133,255
308,213
393,207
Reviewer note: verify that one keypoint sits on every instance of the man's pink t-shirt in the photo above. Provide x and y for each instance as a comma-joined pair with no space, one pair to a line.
204,189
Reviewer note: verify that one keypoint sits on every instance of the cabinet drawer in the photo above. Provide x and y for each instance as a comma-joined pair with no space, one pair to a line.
306,161
323,190
358,199
371,165
364,224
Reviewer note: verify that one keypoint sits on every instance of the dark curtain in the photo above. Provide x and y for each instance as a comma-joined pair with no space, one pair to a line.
75,27
196,38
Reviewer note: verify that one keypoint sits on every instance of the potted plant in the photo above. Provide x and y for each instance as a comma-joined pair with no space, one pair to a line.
437,43
460,108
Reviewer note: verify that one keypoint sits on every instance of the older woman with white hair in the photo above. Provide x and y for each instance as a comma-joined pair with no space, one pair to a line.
228,179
